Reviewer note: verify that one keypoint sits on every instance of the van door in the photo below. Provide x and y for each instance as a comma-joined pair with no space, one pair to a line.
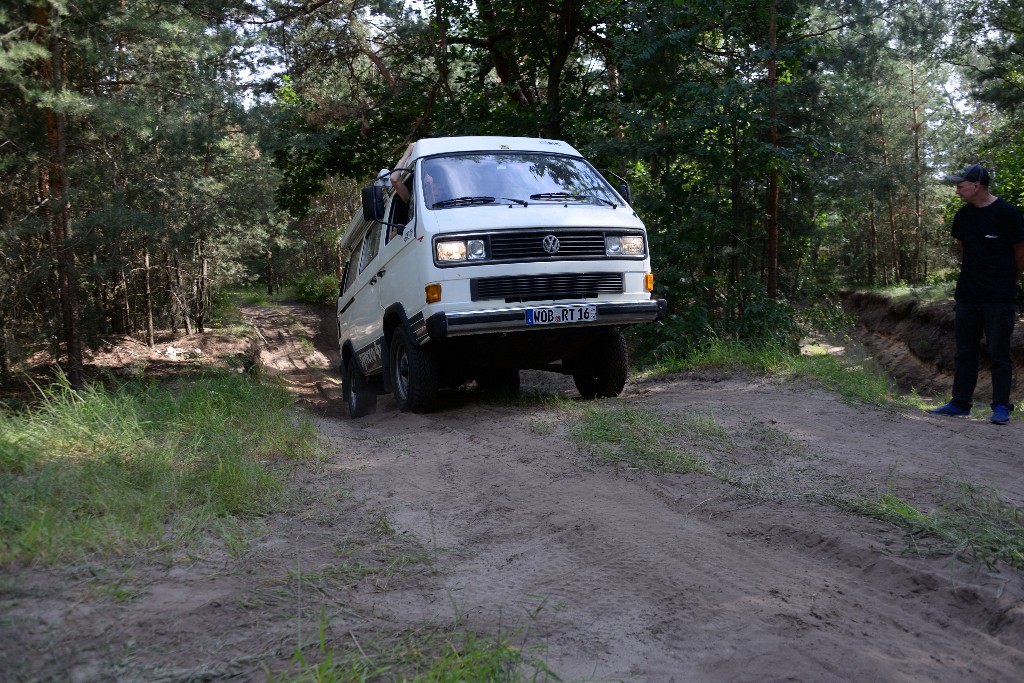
364,314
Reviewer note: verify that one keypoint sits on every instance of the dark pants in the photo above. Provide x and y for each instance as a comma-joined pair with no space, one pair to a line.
995,321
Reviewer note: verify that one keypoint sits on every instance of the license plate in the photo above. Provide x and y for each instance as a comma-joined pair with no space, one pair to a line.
554,315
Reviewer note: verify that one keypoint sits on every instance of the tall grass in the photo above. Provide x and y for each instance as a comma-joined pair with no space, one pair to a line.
109,470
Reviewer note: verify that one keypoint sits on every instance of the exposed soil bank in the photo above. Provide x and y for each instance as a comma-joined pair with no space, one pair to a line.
914,341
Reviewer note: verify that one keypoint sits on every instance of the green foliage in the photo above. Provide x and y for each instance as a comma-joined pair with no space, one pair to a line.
318,290
170,155
758,320
105,470
826,316
1008,161
745,314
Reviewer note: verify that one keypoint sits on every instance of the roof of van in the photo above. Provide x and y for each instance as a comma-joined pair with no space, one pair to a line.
490,143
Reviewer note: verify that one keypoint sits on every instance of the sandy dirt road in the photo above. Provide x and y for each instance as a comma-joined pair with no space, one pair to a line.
623,575
616,574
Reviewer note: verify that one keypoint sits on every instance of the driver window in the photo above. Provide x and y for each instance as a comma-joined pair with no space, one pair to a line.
401,212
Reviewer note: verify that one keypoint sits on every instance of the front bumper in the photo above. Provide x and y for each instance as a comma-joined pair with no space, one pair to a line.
444,325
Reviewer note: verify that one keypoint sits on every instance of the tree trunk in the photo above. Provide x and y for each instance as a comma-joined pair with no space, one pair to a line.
57,180
893,233
148,294
5,361
200,288
270,272
736,192
872,243
124,307
568,32
773,174
916,269
894,241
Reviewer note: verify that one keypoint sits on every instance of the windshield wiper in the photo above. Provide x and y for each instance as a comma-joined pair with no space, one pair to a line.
521,202
461,201
559,196
571,197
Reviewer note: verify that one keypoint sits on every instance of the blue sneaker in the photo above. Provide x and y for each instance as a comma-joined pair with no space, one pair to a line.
1000,414
951,409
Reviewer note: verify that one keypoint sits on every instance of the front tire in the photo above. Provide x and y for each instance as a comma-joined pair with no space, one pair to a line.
360,399
602,372
414,375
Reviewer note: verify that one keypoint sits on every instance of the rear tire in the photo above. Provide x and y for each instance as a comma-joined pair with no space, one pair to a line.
360,399
414,375
602,372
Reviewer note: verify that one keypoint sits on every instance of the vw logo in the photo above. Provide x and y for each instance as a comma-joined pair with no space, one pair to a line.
550,244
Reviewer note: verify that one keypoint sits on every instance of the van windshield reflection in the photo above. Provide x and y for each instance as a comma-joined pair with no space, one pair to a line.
515,178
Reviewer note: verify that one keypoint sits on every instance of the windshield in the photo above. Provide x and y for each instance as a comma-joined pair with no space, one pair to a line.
511,178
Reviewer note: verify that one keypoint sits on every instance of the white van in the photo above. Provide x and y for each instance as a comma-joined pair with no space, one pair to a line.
512,253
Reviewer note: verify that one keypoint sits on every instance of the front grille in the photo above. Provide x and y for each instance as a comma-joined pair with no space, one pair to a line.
546,287
528,246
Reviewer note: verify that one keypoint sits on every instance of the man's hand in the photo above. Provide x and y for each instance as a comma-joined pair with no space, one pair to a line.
1018,257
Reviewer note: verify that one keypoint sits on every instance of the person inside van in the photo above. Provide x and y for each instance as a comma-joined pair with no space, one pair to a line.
401,212
434,190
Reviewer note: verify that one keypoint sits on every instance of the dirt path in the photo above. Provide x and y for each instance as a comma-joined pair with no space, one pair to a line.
617,574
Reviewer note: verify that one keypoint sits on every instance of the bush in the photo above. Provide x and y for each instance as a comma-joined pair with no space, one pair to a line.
751,317
316,289
745,315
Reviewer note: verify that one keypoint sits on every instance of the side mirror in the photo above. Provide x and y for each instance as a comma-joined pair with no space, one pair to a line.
626,194
373,203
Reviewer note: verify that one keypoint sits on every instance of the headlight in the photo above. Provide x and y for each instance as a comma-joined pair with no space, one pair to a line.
624,245
449,251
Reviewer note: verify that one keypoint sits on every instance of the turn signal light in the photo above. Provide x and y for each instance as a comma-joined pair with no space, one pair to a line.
649,282
433,293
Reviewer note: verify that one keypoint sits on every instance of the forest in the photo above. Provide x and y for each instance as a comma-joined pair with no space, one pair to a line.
156,153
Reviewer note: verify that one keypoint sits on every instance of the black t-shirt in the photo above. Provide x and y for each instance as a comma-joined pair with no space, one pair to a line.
988,272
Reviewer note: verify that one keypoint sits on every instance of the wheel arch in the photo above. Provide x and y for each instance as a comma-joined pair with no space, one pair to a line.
394,317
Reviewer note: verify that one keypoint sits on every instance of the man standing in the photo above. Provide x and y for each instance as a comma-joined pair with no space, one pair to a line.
990,233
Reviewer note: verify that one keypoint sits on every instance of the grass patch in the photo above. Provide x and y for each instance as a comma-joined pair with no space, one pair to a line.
136,465
778,442
940,289
226,316
976,527
704,430
253,296
619,433
728,357
428,655
857,381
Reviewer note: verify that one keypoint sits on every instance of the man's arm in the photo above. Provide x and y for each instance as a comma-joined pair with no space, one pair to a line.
1018,257
396,175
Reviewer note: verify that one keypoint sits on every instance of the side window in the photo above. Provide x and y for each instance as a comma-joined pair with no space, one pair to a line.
349,274
371,245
